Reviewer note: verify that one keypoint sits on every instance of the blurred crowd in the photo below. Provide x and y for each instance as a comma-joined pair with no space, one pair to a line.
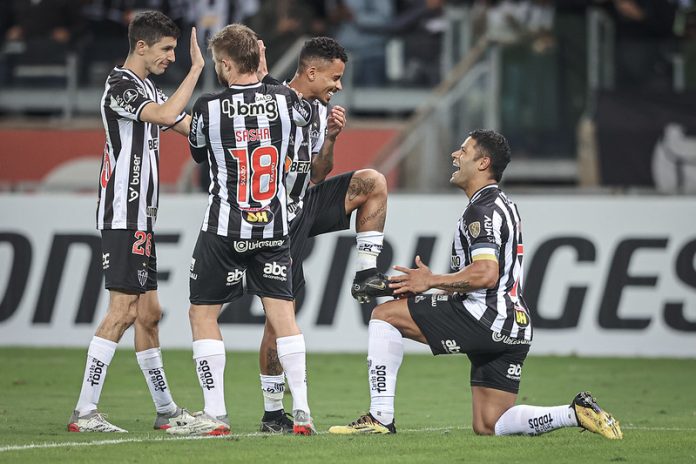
647,31
39,30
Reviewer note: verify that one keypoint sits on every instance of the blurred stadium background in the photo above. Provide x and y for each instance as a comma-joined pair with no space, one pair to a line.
596,98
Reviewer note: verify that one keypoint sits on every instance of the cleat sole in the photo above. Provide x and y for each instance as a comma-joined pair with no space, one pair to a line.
220,431
302,430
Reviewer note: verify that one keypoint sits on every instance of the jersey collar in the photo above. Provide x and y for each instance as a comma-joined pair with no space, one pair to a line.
245,86
480,191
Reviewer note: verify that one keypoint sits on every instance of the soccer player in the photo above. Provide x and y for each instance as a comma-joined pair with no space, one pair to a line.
325,206
481,313
244,132
133,110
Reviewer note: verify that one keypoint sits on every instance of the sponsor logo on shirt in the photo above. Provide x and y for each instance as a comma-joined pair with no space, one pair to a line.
265,105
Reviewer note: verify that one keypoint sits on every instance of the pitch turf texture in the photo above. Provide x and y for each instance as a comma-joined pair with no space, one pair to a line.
654,400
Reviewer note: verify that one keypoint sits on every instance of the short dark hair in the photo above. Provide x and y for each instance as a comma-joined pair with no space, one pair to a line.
150,27
240,44
493,145
323,48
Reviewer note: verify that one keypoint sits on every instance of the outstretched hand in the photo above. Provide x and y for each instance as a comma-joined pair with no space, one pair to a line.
413,280
197,60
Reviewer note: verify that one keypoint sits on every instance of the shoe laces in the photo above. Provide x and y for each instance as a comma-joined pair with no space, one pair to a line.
284,419
365,419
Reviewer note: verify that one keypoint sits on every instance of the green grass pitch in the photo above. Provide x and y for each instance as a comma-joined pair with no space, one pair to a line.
654,399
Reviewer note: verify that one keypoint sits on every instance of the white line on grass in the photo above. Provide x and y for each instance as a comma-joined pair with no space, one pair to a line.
167,438
154,439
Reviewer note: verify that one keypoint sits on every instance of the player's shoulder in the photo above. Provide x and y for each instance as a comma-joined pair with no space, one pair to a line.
122,76
477,212
273,88
202,101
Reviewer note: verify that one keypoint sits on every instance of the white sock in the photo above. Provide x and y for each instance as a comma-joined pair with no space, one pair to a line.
385,351
99,355
369,246
210,368
292,356
273,388
535,420
150,362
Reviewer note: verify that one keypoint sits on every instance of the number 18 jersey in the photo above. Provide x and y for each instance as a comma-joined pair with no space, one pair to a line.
244,131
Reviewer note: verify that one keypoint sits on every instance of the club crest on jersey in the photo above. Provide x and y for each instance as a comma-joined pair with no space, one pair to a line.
257,217
475,229
264,105
314,136
521,316
142,277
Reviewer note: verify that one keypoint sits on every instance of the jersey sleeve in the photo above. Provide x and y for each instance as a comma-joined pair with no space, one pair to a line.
127,100
483,237
161,98
197,138
301,110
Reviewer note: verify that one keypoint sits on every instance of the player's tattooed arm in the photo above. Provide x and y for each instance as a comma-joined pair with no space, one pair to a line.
461,286
478,275
323,162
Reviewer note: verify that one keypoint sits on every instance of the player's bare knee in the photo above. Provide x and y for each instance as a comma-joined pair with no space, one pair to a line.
376,181
481,428
380,184
150,318
122,311
194,315
384,313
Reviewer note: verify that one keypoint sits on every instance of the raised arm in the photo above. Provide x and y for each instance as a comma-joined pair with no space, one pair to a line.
167,114
323,161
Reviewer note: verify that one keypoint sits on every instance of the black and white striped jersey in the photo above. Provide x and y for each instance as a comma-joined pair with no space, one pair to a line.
490,228
129,180
245,133
305,143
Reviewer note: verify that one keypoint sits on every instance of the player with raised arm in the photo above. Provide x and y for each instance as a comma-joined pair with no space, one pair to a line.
317,205
244,132
133,110
481,313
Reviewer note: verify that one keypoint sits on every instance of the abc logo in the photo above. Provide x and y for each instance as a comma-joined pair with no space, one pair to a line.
275,269
234,277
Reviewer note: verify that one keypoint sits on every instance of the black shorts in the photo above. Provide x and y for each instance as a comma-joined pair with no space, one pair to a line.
496,360
220,265
129,260
323,211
